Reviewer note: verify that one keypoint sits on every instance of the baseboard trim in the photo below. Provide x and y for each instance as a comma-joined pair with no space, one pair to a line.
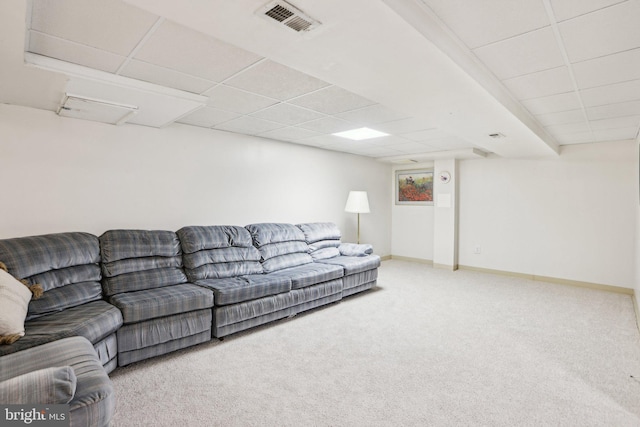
406,258
385,258
445,266
556,280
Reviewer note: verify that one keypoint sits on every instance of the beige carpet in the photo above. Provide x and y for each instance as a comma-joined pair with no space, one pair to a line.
427,347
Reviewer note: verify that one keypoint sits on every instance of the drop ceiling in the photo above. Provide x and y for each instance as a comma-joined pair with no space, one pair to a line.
439,76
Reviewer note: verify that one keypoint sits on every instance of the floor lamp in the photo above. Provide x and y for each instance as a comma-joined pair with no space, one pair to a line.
357,202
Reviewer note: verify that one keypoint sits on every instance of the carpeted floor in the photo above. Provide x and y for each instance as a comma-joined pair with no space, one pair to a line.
427,347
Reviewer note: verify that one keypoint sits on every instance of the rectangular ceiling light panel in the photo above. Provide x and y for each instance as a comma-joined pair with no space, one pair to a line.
360,134
96,110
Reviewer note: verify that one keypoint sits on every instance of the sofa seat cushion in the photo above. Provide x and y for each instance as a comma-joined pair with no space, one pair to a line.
93,403
245,288
93,321
309,274
353,265
159,302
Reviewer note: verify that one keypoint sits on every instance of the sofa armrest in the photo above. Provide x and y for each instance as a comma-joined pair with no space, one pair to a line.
55,385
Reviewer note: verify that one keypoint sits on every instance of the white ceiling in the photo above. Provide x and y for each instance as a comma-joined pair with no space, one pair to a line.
437,75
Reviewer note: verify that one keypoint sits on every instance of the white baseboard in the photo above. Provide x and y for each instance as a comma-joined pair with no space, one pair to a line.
406,258
601,287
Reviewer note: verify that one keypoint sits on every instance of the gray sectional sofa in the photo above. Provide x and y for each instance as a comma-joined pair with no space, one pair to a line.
134,294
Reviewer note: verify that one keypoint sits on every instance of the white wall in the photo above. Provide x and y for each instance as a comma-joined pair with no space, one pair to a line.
63,174
412,226
571,218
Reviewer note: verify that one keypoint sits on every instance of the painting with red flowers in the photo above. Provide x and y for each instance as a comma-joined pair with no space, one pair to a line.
414,187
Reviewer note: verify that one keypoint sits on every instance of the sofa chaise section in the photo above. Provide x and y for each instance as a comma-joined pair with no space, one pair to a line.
284,253
224,260
325,247
66,265
143,277
66,371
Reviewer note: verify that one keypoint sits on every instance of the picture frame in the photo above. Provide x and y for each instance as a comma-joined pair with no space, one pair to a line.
414,187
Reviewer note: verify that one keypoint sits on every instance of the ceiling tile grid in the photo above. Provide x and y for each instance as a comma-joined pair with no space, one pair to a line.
574,64
245,93
580,55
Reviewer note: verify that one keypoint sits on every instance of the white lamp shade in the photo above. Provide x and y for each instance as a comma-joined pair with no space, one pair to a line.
357,202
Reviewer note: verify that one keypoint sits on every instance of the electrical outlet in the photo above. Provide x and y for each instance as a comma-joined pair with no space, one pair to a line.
476,250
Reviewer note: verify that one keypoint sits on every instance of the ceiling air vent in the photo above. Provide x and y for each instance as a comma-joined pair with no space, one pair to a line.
288,15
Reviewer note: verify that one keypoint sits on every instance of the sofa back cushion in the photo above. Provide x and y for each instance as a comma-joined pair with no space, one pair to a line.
134,260
218,252
65,264
280,245
323,239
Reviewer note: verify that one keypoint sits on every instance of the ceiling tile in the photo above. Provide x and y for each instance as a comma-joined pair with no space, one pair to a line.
610,30
165,77
478,23
108,25
553,103
405,126
331,100
380,152
616,123
364,149
208,117
561,117
566,9
183,49
574,138
390,140
287,114
611,94
524,54
615,134
413,148
289,134
616,68
228,98
621,109
371,115
450,143
248,125
568,129
274,80
542,83
425,135
74,52
328,125
323,140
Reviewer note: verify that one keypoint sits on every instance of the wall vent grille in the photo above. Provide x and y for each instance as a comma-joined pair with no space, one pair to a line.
289,16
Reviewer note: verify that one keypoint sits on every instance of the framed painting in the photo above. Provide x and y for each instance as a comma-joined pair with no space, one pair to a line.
414,187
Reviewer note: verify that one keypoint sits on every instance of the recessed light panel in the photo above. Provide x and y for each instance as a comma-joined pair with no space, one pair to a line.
360,134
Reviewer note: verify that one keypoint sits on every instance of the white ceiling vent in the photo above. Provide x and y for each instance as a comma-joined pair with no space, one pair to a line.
288,15
96,110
